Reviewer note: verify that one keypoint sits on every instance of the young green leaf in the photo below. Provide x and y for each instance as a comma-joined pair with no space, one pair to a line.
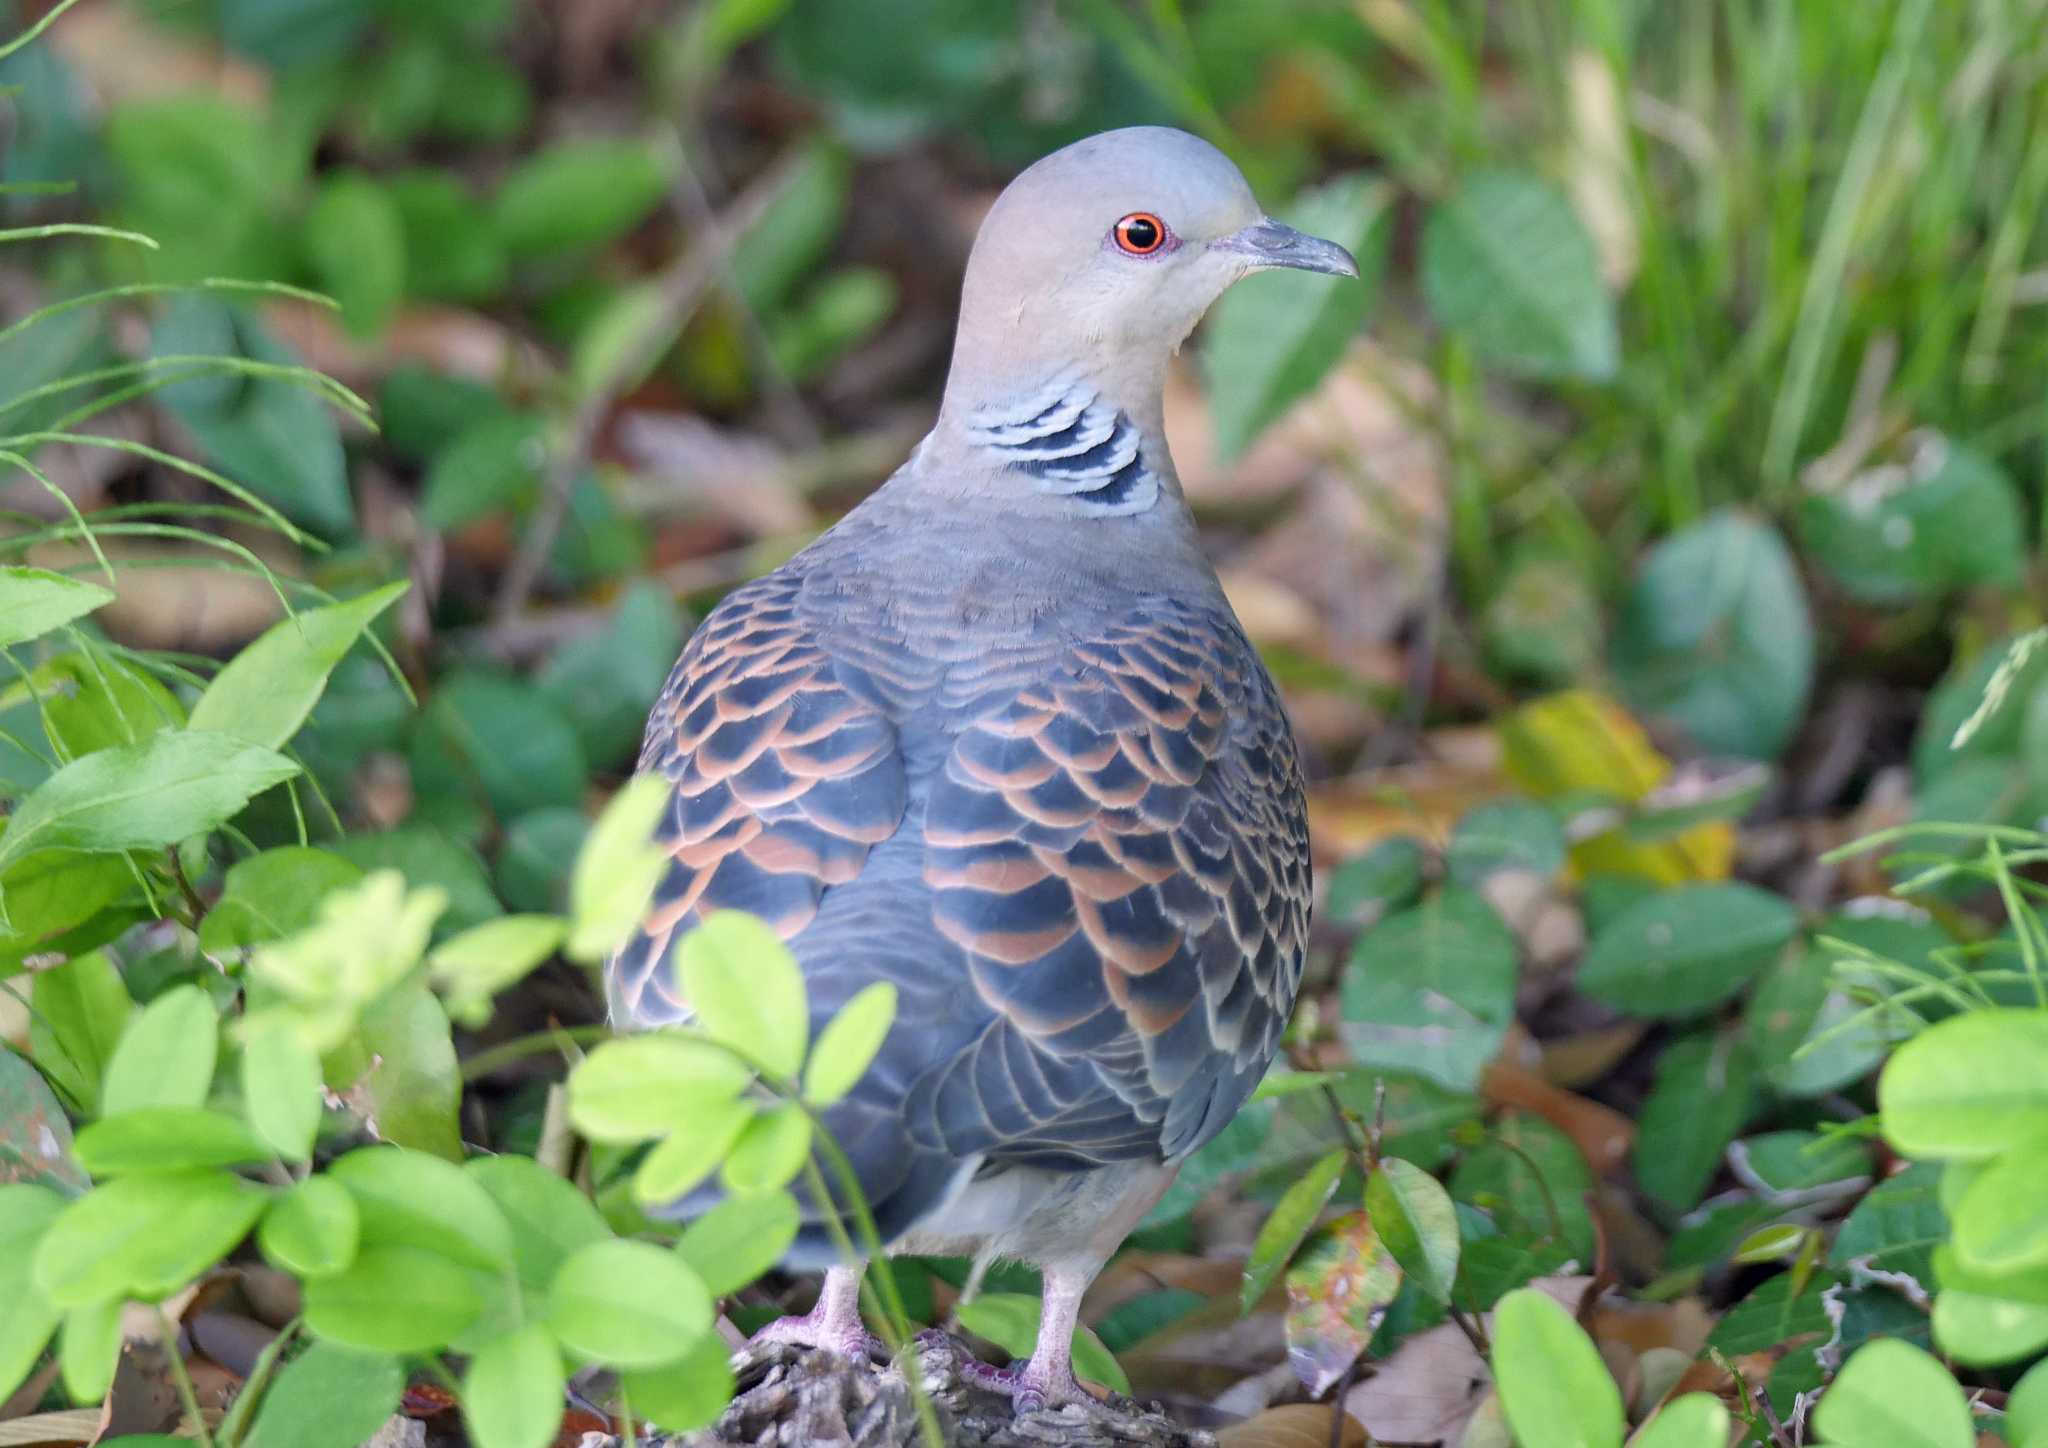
739,1239
89,1345
847,1046
167,1138
1969,1086
329,1396
470,969
1984,1319
273,894
746,990
1417,1221
33,601
144,1236
1893,1393
512,1393
144,796
394,1299
687,1394
2001,1224
355,239
769,1151
264,693
629,1304
79,1011
638,1087
1696,1420
1290,1222
166,1054
26,1212
281,1088
411,1199
312,1230
1555,1389
617,869
691,1152
550,1219
2026,1409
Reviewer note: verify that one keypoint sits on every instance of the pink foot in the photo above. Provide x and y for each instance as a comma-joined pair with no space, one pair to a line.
1030,1387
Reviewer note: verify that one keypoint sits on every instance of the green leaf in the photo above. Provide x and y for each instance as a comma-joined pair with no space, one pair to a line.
495,463
499,735
628,1304
1416,1219
1897,1226
143,796
144,1236
618,868
1696,1420
606,684
266,691
1432,989
2026,1409
577,195
539,850
739,1239
846,1047
2001,1224
1532,1180
512,1392
687,1394
47,895
473,967
549,1218
1703,1095
26,1213
1781,1311
166,1055
1715,637
410,1199
1891,1392
448,257
34,601
746,990
1508,834
35,1135
1968,1087
274,437
281,1088
394,1299
415,1087
1010,1321
1555,1389
691,1152
89,1346
355,239
1383,879
329,1396
769,1151
1985,1319
1945,517
313,1230
794,231
637,1087
425,856
1681,951
1507,262
1293,1217
1271,339
92,702
273,894
1769,1244
80,1009
166,1138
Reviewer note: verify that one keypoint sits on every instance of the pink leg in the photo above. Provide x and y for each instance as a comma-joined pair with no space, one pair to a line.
1047,1380
834,1324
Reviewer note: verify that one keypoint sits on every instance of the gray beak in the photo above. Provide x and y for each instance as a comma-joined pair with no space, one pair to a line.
1270,243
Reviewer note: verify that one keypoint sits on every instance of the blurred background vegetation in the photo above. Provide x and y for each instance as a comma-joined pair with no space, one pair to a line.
1680,463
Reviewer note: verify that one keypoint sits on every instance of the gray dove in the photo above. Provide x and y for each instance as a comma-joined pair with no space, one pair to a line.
998,738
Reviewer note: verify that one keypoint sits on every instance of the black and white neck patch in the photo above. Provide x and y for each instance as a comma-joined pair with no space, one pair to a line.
1071,443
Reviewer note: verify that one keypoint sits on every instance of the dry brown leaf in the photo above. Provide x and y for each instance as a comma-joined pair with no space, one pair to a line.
72,1426
122,56
1602,1134
1298,1425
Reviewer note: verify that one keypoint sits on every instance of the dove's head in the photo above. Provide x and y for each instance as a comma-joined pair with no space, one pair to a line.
1102,257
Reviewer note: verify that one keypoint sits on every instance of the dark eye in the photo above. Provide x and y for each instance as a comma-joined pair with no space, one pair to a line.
1141,233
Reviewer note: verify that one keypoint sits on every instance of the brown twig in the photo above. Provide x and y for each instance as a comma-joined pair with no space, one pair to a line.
680,289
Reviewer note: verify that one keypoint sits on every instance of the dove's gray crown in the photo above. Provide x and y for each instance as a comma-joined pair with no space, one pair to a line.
998,738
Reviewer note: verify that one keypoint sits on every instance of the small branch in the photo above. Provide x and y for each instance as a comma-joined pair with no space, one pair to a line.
680,290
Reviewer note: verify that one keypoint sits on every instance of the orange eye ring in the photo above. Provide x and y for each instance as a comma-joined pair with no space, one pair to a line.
1140,234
